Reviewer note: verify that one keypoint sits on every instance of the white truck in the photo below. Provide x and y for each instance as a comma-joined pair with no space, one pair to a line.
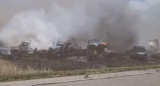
153,46
154,49
22,49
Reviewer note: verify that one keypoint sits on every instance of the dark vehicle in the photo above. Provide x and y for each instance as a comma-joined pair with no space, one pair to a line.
6,54
96,46
138,53
56,51
61,49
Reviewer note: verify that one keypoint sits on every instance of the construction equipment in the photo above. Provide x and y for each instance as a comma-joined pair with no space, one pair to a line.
23,49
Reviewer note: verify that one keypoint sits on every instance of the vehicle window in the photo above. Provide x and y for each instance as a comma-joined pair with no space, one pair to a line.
140,50
58,44
24,44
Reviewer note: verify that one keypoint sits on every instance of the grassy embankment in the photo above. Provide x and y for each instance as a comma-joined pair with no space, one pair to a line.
12,72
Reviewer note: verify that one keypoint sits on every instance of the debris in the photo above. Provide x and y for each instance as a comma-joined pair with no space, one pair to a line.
86,76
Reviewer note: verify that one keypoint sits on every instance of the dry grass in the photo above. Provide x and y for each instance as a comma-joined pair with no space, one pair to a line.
10,71
8,68
28,68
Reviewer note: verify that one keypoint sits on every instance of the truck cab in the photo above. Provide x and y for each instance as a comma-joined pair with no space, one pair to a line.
57,45
25,46
22,49
98,46
139,53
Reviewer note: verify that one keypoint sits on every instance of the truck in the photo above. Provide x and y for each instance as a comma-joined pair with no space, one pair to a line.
23,49
153,49
56,50
138,53
95,48
62,49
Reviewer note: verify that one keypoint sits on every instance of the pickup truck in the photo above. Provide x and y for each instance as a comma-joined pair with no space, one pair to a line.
138,53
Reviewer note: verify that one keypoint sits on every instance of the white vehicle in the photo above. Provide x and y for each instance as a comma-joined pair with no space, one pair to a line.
153,47
23,48
57,45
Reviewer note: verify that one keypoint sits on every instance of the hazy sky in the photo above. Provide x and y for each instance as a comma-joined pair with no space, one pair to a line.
8,8
147,10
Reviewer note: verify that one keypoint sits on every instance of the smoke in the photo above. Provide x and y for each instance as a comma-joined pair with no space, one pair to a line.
114,22
149,26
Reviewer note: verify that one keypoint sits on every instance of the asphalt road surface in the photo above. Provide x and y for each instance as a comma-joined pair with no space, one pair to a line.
139,80
132,78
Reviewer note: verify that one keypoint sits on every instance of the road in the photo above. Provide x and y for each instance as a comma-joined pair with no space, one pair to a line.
140,80
132,78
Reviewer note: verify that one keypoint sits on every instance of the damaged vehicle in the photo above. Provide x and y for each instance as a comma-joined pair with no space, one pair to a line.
23,49
96,45
56,50
5,53
61,49
153,49
96,48
138,53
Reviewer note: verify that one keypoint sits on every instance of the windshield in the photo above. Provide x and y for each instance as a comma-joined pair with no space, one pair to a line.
25,44
93,41
140,50
58,44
